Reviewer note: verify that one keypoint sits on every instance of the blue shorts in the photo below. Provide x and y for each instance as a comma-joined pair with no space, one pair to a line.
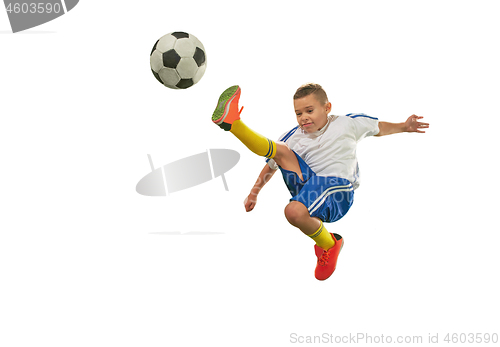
327,198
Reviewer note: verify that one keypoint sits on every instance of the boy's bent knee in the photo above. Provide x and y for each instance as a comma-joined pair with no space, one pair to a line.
295,212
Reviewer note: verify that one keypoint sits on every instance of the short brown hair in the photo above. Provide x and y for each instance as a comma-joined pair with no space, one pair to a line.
311,88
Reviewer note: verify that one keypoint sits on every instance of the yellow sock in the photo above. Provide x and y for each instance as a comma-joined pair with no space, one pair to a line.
254,141
323,238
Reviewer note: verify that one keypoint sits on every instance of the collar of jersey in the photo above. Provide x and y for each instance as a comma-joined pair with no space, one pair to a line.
320,132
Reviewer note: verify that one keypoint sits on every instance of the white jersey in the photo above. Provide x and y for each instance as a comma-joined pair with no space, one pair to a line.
331,151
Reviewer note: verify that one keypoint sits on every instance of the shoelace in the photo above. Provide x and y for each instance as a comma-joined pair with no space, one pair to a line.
324,258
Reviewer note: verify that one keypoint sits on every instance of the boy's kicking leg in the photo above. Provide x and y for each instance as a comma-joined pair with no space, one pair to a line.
227,116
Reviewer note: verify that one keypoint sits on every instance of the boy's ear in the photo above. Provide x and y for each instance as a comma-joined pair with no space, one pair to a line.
328,107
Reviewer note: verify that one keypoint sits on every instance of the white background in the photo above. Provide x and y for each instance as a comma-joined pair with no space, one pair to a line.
86,261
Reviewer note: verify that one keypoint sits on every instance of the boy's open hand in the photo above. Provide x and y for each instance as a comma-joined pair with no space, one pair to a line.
412,125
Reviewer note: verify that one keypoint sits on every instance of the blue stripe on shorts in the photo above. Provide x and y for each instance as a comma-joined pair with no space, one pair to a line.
327,198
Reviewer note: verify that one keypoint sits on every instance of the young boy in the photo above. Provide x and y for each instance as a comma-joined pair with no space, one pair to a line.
317,159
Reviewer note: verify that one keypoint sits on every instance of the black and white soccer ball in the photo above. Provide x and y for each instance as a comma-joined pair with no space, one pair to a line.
178,60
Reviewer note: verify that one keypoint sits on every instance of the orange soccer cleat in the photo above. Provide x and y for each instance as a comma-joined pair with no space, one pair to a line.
227,108
327,260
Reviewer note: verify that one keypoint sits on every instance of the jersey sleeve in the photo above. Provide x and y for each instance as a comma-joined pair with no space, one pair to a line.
363,125
283,138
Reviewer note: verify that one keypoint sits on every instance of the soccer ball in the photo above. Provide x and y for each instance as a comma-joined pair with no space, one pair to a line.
178,60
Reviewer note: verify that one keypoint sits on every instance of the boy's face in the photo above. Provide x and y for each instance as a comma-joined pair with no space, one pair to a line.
311,115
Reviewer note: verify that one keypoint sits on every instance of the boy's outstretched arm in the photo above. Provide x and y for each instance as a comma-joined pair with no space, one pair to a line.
264,177
412,125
